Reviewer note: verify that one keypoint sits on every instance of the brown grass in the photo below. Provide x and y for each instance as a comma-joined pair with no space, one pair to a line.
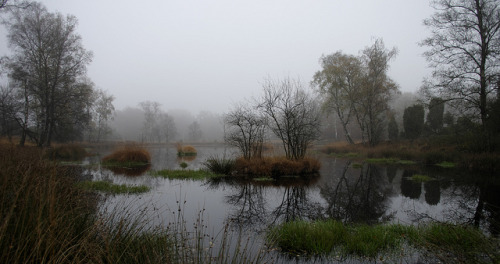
186,150
44,218
129,154
66,152
276,166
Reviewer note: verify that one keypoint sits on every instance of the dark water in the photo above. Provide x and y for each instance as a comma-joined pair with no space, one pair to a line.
353,194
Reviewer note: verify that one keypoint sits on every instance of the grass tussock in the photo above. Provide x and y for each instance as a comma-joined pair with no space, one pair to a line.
220,165
108,187
128,156
449,243
185,150
276,166
66,152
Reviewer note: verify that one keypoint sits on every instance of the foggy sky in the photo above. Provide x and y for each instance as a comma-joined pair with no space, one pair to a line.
208,55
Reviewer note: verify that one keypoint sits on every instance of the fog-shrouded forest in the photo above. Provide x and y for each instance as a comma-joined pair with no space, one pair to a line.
47,94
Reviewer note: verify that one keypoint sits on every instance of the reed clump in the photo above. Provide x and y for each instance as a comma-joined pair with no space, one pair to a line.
276,166
129,156
220,165
45,219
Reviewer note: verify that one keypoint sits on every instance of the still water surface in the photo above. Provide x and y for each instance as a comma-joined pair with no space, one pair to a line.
352,194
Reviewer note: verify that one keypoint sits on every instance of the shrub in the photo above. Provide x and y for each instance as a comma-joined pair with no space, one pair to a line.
130,155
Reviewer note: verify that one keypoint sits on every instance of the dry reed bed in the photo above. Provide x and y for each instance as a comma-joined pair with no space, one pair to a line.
128,155
276,166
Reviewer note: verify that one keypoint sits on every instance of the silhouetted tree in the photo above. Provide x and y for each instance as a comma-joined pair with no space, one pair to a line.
358,87
435,115
465,53
293,115
245,130
392,129
338,82
413,120
48,65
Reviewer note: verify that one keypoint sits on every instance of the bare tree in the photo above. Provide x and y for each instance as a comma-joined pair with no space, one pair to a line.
150,129
102,112
195,132
338,81
293,115
245,130
49,65
167,127
464,50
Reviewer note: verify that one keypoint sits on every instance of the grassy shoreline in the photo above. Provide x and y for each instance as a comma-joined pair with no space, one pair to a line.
445,241
423,152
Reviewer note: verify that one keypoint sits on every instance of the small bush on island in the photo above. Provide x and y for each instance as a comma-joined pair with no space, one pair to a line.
128,156
186,150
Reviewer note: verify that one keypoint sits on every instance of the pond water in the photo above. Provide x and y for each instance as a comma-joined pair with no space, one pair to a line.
344,190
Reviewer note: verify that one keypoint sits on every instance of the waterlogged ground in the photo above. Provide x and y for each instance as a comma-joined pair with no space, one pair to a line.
350,191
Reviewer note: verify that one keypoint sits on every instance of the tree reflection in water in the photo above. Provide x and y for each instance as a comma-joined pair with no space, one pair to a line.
357,195
365,194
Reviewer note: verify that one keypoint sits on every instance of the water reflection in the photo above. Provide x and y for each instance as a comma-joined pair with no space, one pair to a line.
353,194
357,195
130,171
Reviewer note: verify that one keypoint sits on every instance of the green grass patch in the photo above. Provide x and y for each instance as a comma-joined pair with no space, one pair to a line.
263,179
184,174
407,162
446,164
357,165
345,155
108,187
421,178
449,243
382,160
327,237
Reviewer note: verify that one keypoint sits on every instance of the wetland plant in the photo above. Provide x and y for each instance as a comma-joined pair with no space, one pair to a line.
128,156
186,150
220,165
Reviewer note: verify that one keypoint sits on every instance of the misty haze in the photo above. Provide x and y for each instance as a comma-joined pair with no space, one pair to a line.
250,132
